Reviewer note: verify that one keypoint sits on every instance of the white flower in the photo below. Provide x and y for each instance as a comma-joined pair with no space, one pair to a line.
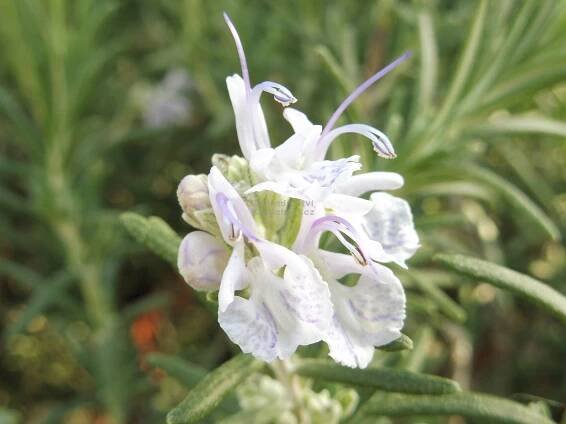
167,103
368,314
289,303
271,298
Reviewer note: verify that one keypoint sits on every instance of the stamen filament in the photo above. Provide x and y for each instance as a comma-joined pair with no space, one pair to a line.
230,215
340,228
380,141
280,93
360,89
241,54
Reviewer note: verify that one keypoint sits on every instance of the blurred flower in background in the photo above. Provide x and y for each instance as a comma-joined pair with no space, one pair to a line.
167,103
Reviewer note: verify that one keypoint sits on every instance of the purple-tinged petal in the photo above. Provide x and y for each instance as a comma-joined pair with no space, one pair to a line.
201,260
231,212
390,222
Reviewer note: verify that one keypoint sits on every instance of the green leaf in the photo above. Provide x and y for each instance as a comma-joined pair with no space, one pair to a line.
389,379
23,276
154,233
444,303
402,343
21,122
206,396
465,64
337,71
428,74
523,124
186,373
45,295
473,405
505,278
158,237
517,199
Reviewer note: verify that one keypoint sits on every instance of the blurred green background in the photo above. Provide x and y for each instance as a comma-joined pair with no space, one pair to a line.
105,105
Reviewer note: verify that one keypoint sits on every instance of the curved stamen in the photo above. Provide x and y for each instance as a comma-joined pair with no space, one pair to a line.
380,141
241,54
360,89
231,217
340,228
280,93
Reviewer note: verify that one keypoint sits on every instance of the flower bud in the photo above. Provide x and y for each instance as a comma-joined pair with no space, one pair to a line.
234,168
202,260
193,193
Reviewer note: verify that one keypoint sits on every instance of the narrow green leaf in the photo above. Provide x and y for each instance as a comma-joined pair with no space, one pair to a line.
158,237
429,60
523,124
505,278
337,71
154,233
186,373
21,122
517,199
465,64
473,405
206,396
22,275
49,293
416,360
402,343
389,379
444,303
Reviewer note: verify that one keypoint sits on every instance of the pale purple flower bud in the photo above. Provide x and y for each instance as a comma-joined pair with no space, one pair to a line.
202,260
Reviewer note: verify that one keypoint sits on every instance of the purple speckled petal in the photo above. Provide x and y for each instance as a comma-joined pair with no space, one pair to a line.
369,314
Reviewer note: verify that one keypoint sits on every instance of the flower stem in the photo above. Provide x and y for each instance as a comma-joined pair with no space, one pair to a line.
283,372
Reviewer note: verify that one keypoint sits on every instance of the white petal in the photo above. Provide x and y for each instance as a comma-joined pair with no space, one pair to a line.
370,181
297,119
217,183
344,351
281,314
261,160
337,265
201,260
281,188
343,204
314,183
369,314
374,309
307,294
251,326
390,223
250,122
234,276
